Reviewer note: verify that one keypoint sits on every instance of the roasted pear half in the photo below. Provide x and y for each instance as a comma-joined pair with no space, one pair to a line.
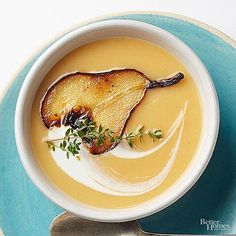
107,98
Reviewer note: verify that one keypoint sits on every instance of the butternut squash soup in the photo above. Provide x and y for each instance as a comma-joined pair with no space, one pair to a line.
116,122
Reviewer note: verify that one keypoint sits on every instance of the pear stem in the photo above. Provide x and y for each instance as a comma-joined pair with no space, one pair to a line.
166,82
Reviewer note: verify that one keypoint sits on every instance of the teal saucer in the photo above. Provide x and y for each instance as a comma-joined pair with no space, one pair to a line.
208,208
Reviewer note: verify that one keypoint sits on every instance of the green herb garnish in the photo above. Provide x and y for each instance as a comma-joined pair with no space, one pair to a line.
89,132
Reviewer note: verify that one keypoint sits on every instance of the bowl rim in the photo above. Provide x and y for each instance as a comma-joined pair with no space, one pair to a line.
88,212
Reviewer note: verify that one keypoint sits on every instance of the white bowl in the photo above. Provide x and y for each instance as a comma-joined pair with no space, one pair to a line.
102,30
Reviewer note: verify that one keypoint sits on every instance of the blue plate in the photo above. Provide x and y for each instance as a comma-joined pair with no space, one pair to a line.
24,211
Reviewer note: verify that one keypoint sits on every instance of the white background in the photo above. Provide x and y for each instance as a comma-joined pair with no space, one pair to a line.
27,25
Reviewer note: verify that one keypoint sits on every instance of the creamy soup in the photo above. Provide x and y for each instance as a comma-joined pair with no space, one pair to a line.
125,176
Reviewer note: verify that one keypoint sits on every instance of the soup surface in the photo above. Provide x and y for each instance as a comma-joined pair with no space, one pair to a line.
150,167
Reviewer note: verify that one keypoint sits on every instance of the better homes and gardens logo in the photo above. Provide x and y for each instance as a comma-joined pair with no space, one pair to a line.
214,225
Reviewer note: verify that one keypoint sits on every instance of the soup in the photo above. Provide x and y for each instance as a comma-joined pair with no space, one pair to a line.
123,176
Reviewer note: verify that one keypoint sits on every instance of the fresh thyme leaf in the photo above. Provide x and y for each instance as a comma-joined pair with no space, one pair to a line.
130,138
110,133
112,139
158,133
64,144
155,134
77,145
118,139
130,142
86,122
67,155
80,133
101,139
67,132
100,129
139,132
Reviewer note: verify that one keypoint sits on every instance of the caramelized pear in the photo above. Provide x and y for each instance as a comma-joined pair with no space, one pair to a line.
107,98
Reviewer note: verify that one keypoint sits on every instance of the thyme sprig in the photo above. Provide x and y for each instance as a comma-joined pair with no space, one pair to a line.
88,131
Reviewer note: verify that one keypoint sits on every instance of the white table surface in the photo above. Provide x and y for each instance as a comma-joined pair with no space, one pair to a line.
27,25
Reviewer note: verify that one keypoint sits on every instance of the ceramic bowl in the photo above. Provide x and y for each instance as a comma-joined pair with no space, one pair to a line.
100,30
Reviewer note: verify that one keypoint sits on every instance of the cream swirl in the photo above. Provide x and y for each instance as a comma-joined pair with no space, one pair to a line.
87,172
